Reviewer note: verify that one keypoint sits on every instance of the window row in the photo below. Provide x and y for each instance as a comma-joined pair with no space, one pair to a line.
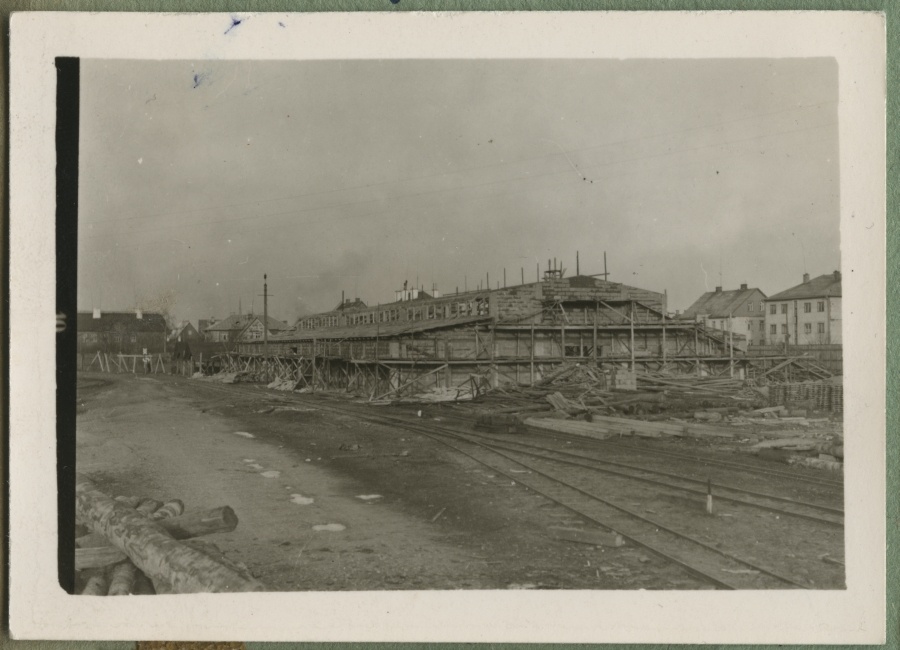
477,307
807,328
807,307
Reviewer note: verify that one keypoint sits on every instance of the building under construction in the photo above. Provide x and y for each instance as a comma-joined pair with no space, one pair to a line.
486,338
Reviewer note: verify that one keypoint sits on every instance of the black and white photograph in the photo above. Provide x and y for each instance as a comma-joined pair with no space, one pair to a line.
389,326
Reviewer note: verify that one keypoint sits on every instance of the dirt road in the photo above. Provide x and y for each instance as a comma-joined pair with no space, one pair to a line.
327,502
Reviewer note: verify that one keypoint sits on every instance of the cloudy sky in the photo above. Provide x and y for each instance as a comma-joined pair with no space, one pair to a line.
197,177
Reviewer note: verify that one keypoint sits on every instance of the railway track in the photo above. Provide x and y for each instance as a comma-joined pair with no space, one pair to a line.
541,474
725,464
794,476
819,513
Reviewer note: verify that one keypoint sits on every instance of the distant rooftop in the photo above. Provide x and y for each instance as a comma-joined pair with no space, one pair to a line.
824,286
240,321
131,321
718,303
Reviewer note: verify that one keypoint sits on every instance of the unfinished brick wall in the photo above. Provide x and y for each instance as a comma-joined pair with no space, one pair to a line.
520,304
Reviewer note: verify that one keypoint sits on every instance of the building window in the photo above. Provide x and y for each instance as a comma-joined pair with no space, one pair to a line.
773,329
749,326
821,306
807,308
784,308
773,309
821,328
117,338
807,328
762,326
784,329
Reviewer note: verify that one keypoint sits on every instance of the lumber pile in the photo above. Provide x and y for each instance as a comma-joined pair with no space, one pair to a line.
131,545
819,395
605,426
580,399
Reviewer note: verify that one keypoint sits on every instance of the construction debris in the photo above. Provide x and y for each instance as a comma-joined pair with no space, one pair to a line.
578,399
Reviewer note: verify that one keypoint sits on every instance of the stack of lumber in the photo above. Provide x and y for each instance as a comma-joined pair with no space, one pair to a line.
821,395
144,546
720,386
605,426
802,443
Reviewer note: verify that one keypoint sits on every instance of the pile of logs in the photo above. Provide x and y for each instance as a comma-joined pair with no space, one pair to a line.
131,545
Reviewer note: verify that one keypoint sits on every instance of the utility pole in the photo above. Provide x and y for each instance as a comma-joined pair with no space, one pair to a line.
266,326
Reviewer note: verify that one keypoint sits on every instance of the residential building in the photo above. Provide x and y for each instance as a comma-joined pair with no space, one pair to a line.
738,311
121,332
255,331
807,314
242,327
184,333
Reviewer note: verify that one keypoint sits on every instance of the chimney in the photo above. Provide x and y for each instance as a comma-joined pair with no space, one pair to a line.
805,278
97,313
138,314
744,286
837,276
718,289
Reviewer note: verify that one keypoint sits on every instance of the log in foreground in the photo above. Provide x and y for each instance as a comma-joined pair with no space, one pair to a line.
153,550
192,524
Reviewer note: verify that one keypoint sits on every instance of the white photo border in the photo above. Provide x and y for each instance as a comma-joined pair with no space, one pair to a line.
39,609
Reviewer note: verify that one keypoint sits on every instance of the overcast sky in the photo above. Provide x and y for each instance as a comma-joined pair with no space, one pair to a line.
198,177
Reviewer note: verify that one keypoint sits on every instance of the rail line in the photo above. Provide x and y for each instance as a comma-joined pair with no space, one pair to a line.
712,565
834,516
794,507
797,506
753,469
707,461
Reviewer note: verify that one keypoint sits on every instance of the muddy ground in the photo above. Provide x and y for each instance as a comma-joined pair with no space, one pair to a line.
327,502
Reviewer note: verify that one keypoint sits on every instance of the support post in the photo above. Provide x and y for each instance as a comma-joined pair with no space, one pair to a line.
631,324
266,327
730,347
696,349
532,354
664,342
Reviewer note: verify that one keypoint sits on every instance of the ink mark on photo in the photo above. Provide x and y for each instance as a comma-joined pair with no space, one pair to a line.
234,23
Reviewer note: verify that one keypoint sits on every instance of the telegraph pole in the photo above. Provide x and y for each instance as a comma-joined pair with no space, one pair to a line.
266,325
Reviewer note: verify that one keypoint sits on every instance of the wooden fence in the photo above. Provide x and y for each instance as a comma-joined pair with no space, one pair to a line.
134,364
